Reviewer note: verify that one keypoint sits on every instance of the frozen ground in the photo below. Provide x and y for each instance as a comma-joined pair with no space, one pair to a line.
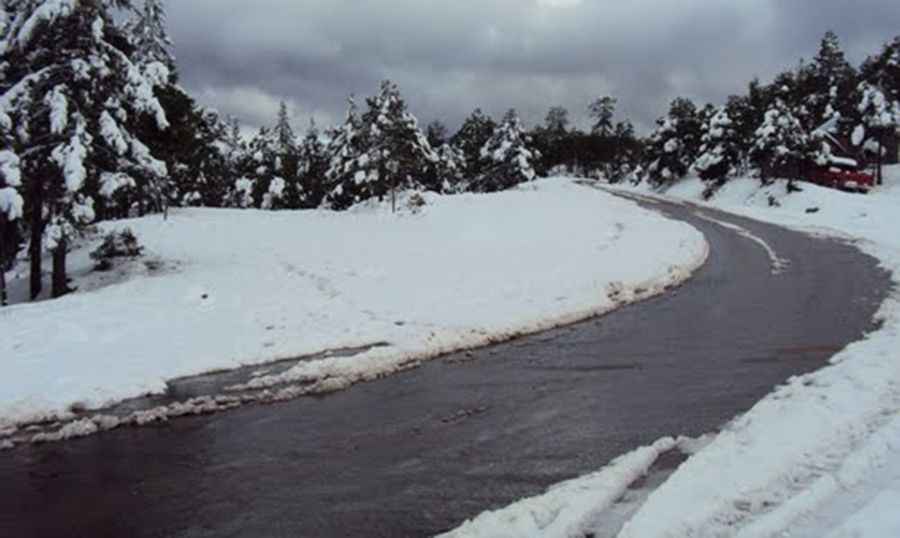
818,457
225,288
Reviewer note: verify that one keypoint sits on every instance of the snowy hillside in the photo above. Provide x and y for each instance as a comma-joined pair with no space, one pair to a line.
819,457
238,287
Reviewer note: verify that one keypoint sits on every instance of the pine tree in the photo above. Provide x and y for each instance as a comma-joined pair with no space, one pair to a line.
450,169
883,70
675,144
74,95
394,152
830,87
151,41
720,154
474,133
665,151
784,146
602,111
313,168
204,179
879,116
11,212
287,193
345,147
506,157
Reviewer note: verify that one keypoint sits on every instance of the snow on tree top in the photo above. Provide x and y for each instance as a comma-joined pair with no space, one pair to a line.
47,12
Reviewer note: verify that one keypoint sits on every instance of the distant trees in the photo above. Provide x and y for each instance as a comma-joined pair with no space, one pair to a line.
803,118
94,126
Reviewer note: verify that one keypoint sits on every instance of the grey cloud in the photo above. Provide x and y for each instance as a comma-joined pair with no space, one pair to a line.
450,57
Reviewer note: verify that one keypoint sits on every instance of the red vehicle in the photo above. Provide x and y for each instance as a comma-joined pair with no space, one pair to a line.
842,173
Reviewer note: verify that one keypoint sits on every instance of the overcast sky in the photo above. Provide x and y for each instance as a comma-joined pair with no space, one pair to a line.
243,57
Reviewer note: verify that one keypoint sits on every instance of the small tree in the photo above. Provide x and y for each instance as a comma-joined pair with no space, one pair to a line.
506,157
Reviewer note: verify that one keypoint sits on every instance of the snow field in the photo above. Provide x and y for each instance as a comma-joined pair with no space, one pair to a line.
246,287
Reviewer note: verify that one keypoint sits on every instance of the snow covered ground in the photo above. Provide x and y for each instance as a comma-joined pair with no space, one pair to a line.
225,288
818,457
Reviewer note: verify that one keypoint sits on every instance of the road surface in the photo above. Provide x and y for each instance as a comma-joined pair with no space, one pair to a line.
421,451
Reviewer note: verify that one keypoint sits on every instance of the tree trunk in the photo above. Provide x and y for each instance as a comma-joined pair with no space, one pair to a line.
60,279
880,173
4,299
35,249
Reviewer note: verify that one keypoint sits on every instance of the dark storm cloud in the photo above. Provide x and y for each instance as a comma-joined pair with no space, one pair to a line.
449,57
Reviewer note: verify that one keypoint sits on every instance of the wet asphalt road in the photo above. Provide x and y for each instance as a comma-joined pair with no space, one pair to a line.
419,452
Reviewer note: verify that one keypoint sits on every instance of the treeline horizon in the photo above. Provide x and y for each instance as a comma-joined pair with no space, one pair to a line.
94,125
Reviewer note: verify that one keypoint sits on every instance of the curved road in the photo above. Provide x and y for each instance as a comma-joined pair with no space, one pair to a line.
421,451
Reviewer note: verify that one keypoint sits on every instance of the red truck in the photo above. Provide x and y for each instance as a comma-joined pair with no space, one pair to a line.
842,173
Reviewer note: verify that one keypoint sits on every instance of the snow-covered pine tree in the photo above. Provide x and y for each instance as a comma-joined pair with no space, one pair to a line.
288,192
398,148
474,133
395,153
261,165
784,147
675,144
829,83
506,157
450,169
664,153
73,94
720,154
879,116
345,147
205,178
11,212
883,70
150,38
313,166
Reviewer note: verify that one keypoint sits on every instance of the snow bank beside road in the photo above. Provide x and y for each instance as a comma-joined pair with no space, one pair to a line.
566,510
251,287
